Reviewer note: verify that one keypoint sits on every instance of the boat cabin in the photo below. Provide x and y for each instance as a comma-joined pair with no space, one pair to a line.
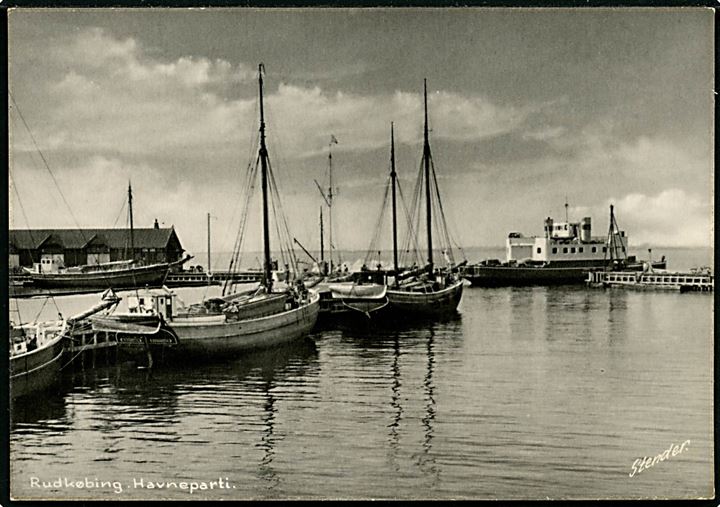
157,301
50,263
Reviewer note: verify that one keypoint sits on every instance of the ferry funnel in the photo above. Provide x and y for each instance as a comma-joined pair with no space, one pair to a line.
585,229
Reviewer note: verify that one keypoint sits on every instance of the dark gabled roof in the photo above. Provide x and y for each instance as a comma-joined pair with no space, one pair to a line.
32,239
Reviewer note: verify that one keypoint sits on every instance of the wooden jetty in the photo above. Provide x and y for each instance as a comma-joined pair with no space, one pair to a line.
693,281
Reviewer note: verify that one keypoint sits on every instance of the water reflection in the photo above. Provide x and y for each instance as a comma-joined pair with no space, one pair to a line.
617,310
395,402
267,443
427,459
37,409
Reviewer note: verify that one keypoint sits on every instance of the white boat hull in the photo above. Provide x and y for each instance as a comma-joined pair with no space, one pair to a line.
441,302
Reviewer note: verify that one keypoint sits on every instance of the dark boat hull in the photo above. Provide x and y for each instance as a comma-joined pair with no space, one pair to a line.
441,302
502,276
142,276
37,370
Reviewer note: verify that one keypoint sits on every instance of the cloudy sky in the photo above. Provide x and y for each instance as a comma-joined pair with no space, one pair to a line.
526,107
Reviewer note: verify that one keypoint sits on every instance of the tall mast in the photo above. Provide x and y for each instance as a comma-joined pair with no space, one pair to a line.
393,176
322,244
132,231
428,203
208,241
612,239
330,202
267,268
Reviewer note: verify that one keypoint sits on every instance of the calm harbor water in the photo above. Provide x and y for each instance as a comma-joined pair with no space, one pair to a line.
525,393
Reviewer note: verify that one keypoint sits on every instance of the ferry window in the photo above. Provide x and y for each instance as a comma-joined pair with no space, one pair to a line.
566,227
594,249
565,250
572,250
539,250
623,249
554,250
580,250
604,249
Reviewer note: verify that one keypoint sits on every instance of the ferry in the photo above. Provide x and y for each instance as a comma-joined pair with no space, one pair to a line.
565,254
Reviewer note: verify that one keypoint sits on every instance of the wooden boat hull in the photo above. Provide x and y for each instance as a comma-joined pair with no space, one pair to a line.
37,370
141,276
214,337
135,330
434,303
502,276
334,306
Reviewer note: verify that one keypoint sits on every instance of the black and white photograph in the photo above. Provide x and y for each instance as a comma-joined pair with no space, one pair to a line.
360,253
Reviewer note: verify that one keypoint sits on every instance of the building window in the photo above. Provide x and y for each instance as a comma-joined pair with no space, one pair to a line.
623,249
554,250
539,250
565,250
572,250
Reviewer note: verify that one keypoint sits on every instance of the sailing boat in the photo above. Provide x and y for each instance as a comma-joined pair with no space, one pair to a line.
256,318
121,274
340,294
432,291
37,348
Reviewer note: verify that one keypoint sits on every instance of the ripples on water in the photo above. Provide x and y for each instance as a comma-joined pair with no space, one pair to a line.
526,393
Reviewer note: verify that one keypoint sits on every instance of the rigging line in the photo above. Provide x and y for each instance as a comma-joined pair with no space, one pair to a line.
286,228
276,221
439,221
374,241
45,162
47,166
410,233
249,189
122,207
446,228
32,239
252,160
415,214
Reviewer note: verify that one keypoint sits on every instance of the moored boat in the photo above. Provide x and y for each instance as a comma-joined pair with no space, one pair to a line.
564,255
36,352
116,275
122,274
427,298
429,291
343,299
235,322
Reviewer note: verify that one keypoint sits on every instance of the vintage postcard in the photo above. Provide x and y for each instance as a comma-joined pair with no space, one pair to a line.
334,253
